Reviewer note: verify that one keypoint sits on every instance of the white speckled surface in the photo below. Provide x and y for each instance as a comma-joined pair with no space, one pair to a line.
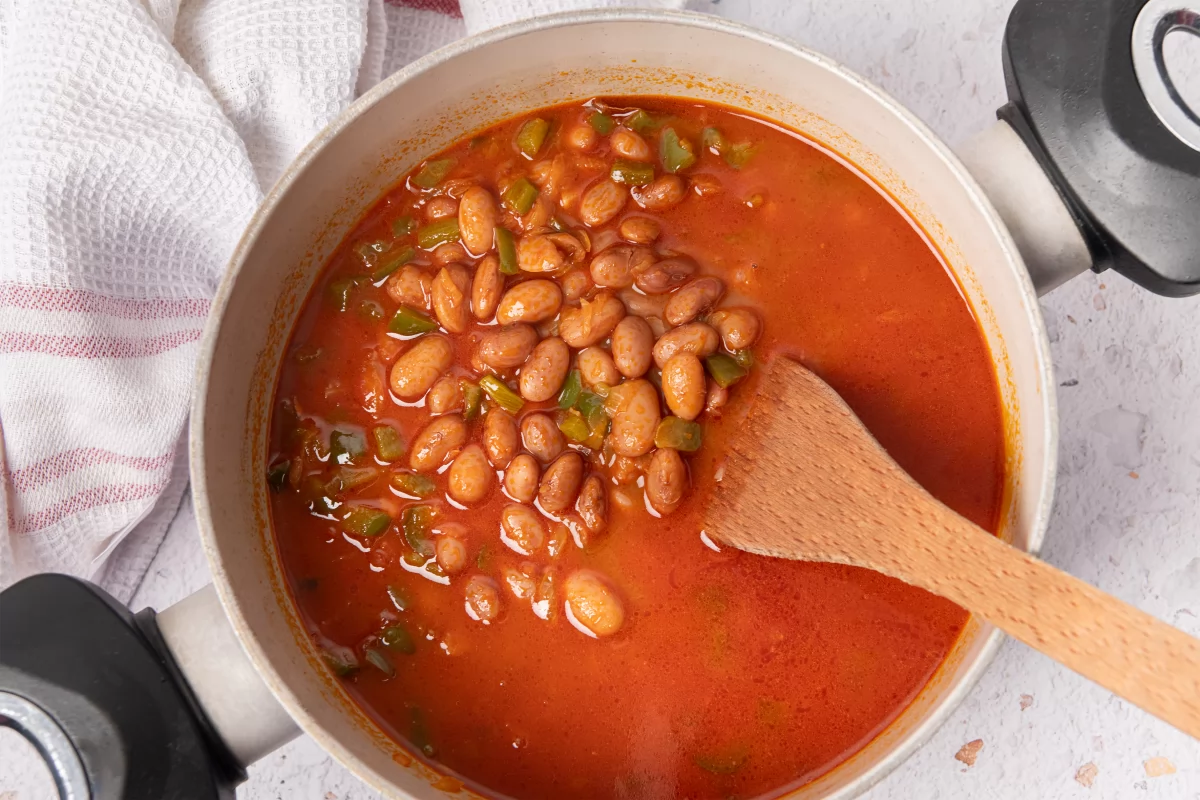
1127,516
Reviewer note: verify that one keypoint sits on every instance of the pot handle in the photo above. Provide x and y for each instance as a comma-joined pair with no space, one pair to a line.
1090,98
132,706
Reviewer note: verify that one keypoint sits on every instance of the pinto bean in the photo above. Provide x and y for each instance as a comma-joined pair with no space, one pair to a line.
571,245
415,370
642,305
482,599
541,437
632,346
575,284
683,385
487,287
445,396
451,553
628,144
450,302
507,347
521,529
436,441
705,185
635,412
696,297
666,275
592,504
601,202
619,265
560,482
591,322
471,475
477,215
627,470
441,206
537,253
410,286
695,337
716,398
660,194
545,596
529,301
581,137
639,230
448,253
596,365
666,480
593,603
521,478
521,582
544,372
500,437
739,327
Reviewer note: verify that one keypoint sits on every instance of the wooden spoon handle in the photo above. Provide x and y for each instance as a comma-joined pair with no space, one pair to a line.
1129,652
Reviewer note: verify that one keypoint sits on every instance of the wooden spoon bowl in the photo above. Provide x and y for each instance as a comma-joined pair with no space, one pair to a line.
806,480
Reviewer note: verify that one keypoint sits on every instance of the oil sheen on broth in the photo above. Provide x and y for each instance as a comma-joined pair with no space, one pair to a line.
612,652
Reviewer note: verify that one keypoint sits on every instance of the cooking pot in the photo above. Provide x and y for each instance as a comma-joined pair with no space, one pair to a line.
1092,165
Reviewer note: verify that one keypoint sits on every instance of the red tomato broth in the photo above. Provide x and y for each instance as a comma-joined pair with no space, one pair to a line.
734,675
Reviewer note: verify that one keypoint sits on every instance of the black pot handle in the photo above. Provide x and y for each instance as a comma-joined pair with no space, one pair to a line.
1090,96
97,692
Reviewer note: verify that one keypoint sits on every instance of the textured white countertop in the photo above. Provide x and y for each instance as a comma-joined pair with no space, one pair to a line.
1127,513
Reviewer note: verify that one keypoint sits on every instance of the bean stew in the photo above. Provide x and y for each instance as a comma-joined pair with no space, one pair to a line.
505,403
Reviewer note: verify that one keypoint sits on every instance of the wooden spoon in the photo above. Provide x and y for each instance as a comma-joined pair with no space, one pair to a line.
805,480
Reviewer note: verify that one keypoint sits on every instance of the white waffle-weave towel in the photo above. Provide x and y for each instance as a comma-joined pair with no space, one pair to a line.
136,139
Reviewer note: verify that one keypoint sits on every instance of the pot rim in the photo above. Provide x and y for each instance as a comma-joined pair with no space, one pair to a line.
947,704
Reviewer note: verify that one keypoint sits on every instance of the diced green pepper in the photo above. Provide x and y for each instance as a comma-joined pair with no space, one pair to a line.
399,597
389,444
433,172
571,389
506,249
602,123
316,497
397,637
505,397
403,226
345,447
370,310
722,763
411,322
676,152
393,262
519,196
438,232
414,558
277,475
472,399
340,291
412,484
341,659
483,561
365,521
744,358
590,404
631,173
602,389
419,734
574,427
724,369
371,251
557,225
679,434
640,121
416,522
736,155
433,568
376,658
713,140
347,479
532,135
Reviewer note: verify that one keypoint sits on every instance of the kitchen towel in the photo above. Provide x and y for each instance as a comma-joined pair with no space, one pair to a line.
137,137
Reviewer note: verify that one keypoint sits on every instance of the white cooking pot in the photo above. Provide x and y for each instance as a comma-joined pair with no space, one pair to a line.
992,230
